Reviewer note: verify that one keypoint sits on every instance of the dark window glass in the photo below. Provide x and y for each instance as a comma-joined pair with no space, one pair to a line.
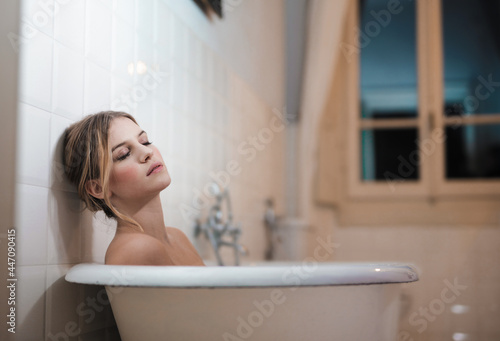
473,151
387,47
471,38
389,154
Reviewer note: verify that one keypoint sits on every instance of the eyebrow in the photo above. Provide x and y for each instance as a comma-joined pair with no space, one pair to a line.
121,144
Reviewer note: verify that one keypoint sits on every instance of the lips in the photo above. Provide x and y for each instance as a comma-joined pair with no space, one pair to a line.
155,167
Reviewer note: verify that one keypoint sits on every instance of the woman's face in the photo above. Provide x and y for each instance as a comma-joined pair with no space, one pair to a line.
137,169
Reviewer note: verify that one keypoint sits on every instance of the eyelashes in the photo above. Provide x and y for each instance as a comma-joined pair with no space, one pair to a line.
123,157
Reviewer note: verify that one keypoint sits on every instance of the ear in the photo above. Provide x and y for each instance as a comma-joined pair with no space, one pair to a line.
94,188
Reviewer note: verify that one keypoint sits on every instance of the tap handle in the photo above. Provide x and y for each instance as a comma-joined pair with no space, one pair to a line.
214,189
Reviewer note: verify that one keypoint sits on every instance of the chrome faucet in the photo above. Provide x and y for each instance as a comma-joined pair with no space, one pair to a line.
214,228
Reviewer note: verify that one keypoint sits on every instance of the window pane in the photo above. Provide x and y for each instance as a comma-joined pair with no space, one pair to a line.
389,154
473,151
387,45
471,36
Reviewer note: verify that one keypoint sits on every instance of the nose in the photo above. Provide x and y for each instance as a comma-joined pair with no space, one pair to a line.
147,153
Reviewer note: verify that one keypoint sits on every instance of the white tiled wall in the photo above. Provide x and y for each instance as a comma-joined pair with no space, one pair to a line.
141,57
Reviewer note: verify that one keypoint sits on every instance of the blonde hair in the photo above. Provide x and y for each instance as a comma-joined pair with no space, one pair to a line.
86,157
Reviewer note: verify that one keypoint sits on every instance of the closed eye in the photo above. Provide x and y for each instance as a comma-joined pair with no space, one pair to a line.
124,156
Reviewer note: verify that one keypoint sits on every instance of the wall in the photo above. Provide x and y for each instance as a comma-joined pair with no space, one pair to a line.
467,257
205,92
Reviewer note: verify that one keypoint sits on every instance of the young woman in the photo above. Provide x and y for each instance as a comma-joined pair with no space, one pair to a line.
117,169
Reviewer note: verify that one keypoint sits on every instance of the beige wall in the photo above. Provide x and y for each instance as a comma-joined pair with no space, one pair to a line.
250,39
467,255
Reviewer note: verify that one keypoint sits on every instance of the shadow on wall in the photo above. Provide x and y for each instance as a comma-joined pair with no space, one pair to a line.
66,212
86,314
75,234
70,310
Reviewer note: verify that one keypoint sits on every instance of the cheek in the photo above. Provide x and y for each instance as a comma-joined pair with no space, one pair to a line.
125,174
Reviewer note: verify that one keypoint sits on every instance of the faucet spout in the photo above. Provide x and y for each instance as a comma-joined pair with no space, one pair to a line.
216,229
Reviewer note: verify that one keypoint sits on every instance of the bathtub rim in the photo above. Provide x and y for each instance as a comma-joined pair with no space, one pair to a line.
291,275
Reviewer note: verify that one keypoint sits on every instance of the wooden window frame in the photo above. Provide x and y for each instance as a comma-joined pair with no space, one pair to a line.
432,198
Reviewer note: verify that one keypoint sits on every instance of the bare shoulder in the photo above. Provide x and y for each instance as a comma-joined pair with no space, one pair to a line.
185,253
136,249
177,233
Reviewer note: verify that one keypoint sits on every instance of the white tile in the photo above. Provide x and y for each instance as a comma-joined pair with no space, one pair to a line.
33,146
197,144
30,303
144,56
163,29
177,87
144,114
108,3
220,77
58,179
64,229
183,92
125,9
67,96
98,26
209,77
147,78
31,223
205,147
230,87
159,134
161,59
210,110
35,71
39,15
171,133
97,233
190,51
195,100
97,92
69,25
183,134
179,43
144,17
122,53
198,58
160,80
63,301
122,95
189,104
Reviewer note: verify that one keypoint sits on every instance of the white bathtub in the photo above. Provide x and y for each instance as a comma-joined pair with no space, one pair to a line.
308,301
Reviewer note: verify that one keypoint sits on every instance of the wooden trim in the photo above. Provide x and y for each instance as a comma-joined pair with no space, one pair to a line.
389,123
472,120
352,156
432,200
407,212
391,187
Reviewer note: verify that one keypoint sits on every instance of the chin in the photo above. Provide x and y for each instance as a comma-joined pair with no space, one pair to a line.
166,181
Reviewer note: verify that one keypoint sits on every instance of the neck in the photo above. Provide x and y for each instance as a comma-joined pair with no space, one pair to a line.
148,213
